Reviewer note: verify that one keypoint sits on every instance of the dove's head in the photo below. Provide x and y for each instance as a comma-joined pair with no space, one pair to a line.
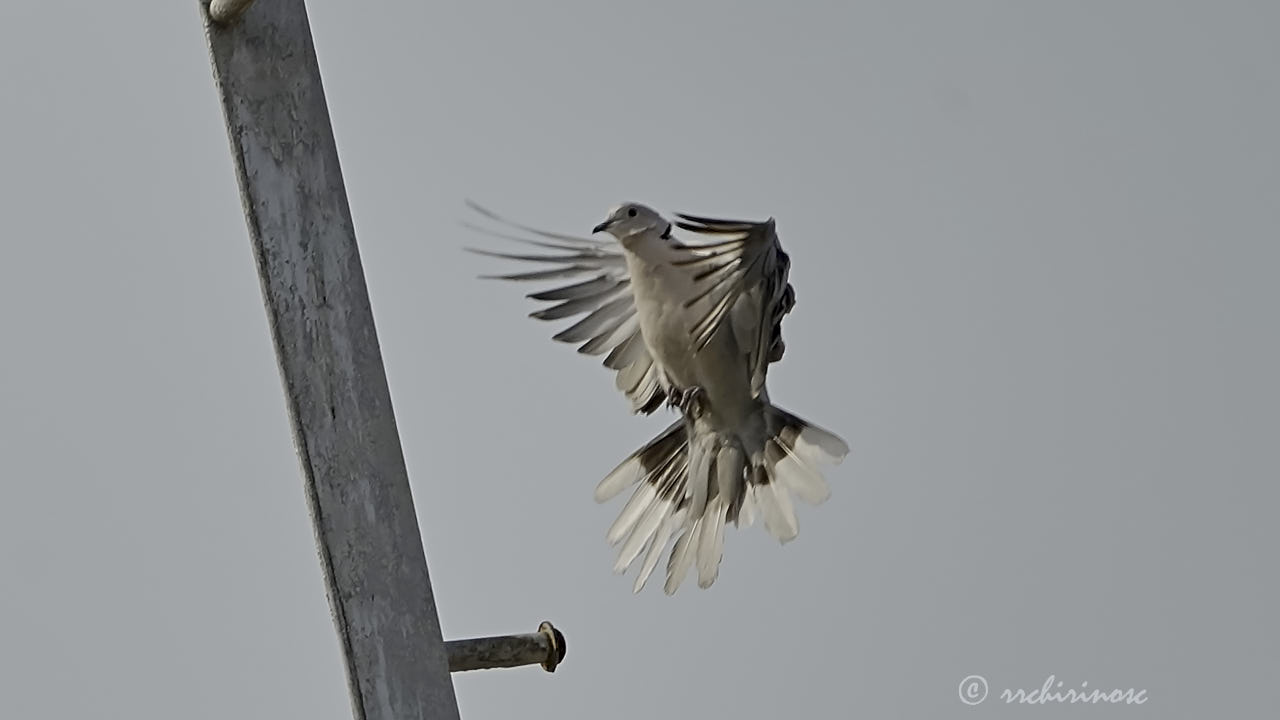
629,222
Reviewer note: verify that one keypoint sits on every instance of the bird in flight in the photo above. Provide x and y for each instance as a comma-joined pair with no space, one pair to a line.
690,323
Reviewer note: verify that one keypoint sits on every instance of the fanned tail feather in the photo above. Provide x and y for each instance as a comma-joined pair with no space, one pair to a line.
689,491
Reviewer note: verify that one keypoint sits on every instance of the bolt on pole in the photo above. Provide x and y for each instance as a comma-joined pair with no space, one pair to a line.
545,647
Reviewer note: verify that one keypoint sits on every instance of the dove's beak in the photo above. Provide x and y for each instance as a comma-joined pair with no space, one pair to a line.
601,227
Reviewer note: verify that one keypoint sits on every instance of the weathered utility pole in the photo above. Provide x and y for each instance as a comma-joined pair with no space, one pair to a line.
357,487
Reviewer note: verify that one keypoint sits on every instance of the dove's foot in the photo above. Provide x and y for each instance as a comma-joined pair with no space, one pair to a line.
688,400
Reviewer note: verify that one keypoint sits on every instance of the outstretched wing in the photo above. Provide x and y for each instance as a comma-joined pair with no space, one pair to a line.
601,290
741,274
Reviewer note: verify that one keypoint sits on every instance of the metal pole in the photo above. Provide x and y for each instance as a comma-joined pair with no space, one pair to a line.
335,385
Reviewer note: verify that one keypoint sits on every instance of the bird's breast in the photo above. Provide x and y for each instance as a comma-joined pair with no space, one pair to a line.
666,325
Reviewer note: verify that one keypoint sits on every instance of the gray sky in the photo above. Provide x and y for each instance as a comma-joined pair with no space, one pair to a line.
1034,247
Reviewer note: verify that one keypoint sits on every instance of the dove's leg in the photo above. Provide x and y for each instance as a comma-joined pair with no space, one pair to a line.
688,400
673,397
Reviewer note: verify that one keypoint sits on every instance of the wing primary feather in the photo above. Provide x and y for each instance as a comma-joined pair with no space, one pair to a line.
630,377
533,258
706,328
540,233
708,229
627,352
599,319
577,245
542,274
701,254
577,290
727,269
576,306
613,334
712,287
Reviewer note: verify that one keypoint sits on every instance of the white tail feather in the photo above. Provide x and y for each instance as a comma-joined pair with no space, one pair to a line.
711,543
817,446
682,556
702,448
778,513
656,546
747,514
648,525
643,463
801,478
631,513
628,473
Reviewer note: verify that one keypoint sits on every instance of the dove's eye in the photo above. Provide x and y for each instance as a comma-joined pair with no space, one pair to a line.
631,212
